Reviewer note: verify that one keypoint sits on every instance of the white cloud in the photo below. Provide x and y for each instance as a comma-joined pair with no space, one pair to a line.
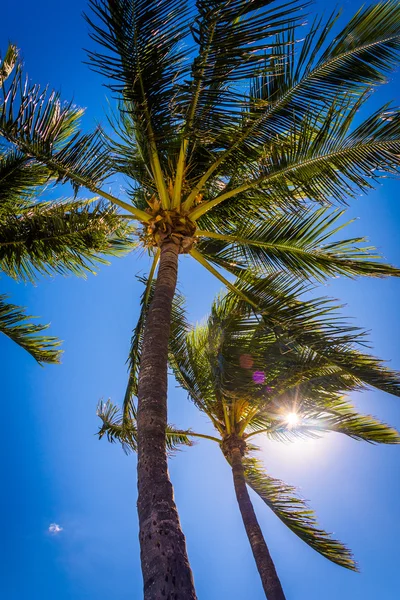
55,529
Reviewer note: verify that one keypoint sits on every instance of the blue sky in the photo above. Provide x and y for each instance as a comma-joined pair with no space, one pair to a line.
54,470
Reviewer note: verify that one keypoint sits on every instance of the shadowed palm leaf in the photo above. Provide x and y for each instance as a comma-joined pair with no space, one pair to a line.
44,238
14,324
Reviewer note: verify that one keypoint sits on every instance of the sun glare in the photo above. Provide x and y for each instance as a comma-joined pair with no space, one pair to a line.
292,419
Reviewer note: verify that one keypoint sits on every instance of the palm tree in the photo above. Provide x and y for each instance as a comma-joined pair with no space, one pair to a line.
222,118
43,238
251,380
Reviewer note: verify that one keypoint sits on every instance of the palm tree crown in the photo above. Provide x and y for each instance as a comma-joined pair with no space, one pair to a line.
250,379
223,115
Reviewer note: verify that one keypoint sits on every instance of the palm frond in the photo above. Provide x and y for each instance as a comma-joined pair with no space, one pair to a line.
144,61
59,237
293,511
318,160
42,126
360,57
118,429
233,39
15,324
20,179
8,63
298,243
306,74
338,416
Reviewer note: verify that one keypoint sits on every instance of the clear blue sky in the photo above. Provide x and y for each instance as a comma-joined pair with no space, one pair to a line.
53,468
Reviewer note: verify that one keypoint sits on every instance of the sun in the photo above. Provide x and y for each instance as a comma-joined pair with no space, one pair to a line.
292,419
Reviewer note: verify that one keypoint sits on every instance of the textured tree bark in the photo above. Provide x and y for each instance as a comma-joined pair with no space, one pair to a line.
266,568
165,566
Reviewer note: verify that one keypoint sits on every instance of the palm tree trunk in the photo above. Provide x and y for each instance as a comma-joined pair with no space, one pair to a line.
266,568
165,566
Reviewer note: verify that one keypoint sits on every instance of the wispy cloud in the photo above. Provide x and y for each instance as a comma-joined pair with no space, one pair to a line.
55,529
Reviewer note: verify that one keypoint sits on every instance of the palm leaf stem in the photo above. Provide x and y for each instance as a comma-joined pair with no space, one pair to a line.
140,215
185,142
200,258
244,423
154,158
191,433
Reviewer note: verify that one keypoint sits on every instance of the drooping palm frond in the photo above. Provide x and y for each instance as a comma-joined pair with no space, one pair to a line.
298,243
38,237
60,237
118,429
16,325
283,500
114,428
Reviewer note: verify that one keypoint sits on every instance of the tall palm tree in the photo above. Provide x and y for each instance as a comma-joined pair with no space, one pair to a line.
251,380
43,238
222,117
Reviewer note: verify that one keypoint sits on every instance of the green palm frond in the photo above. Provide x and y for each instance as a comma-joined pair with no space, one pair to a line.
363,368
233,40
318,160
305,351
115,429
60,237
118,429
336,415
125,147
283,500
309,76
16,325
359,57
313,327
298,243
20,178
42,126
144,60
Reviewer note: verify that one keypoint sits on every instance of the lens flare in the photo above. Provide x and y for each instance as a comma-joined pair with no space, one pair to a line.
246,361
258,376
292,419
